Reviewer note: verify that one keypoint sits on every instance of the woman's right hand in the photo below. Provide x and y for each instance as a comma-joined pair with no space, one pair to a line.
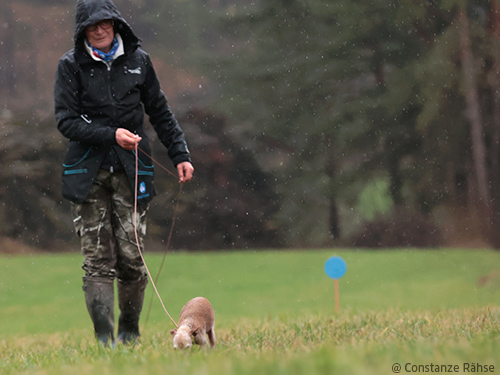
126,139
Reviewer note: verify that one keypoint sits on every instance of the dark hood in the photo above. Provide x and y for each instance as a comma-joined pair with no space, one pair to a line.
88,12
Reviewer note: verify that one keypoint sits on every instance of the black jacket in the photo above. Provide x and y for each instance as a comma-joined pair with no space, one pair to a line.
92,101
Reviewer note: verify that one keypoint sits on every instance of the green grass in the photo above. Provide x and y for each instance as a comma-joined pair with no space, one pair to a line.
274,314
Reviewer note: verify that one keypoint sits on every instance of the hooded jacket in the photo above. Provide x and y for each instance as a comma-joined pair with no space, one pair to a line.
93,100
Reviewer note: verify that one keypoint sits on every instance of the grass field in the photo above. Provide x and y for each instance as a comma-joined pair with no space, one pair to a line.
274,314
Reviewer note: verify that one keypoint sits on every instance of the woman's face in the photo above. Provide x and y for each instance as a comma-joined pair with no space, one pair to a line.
100,35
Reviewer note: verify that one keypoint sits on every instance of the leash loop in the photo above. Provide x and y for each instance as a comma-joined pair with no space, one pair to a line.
136,232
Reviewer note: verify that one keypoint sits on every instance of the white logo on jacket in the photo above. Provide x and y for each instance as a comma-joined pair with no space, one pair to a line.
134,71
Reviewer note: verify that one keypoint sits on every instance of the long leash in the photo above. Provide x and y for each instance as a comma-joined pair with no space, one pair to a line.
153,282
176,209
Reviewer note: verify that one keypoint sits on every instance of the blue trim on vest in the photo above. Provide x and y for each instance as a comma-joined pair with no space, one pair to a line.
76,171
79,161
144,165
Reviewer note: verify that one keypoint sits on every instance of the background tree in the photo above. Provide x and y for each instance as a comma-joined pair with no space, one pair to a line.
350,93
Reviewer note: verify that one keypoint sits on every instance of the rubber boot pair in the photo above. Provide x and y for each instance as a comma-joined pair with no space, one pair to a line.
99,298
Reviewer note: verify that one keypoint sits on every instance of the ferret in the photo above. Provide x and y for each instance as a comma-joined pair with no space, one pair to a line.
196,320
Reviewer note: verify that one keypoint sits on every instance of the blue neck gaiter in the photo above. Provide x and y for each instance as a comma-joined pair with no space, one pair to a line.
105,56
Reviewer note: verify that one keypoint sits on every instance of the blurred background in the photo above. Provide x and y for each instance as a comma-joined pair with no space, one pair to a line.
312,123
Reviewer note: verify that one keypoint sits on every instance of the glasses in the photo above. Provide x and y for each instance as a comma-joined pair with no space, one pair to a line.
104,24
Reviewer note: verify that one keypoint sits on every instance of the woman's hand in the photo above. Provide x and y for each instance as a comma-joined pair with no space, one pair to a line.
185,170
126,139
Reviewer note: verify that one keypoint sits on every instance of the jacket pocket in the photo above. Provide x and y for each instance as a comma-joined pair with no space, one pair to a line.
145,169
74,159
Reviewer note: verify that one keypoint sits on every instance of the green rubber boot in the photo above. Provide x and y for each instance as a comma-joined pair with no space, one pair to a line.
99,297
130,301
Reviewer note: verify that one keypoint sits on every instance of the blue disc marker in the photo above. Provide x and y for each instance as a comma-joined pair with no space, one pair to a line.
335,267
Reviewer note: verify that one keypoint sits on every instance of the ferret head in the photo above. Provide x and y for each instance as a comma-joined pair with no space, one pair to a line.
182,338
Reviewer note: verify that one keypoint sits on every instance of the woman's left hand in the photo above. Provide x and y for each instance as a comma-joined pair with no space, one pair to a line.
185,170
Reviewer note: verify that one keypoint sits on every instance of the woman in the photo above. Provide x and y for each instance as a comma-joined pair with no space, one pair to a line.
103,86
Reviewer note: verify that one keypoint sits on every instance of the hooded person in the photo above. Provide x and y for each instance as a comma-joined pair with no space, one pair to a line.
103,87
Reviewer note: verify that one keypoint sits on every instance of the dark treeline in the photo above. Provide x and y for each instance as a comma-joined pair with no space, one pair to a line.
311,123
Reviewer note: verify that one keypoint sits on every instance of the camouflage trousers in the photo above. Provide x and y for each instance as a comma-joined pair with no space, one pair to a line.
104,222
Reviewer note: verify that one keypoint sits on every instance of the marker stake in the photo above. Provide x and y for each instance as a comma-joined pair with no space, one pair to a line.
335,268
337,295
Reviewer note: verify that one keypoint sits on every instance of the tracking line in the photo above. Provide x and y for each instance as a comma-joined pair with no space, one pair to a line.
137,236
